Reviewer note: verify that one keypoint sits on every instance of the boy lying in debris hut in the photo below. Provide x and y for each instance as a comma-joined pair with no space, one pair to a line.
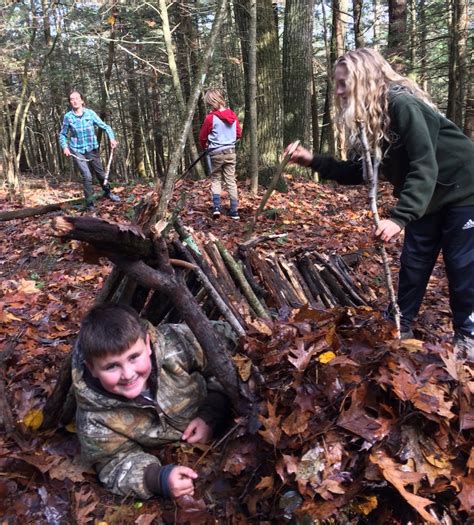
138,387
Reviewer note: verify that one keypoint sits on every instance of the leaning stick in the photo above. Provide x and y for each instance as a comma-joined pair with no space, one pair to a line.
274,181
372,175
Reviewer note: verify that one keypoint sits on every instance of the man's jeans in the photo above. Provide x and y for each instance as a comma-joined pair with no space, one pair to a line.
86,167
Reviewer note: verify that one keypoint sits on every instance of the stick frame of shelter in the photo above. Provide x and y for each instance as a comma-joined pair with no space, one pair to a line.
371,171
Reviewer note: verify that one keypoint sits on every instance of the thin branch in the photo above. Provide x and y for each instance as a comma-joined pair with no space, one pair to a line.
372,176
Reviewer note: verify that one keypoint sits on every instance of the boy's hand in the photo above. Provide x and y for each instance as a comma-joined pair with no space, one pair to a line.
180,481
113,143
387,229
67,151
198,431
299,155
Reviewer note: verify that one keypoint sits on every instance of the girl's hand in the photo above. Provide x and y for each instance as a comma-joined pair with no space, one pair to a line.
198,431
67,151
387,230
113,143
299,155
180,481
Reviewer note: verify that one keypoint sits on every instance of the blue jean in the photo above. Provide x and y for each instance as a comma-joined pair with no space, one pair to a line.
87,163
448,230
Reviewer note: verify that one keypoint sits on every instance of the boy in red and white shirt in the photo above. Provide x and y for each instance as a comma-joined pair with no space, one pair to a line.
219,133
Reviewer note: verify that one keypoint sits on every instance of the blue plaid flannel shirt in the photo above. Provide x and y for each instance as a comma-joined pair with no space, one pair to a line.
82,132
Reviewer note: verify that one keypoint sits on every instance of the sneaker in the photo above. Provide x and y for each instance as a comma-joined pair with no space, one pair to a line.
234,214
111,196
407,334
216,212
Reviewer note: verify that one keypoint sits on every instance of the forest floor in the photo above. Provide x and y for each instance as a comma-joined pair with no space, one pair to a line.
46,288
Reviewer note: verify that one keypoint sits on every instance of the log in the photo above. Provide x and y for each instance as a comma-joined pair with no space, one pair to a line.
281,283
297,281
344,279
53,409
223,276
369,295
197,256
216,297
22,213
126,239
327,296
112,282
306,265
238,275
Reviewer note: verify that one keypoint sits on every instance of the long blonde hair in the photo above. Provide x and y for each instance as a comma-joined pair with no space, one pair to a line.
369,79
214,98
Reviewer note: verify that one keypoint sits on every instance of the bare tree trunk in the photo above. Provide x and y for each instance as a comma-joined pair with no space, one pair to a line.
457,62
423,49
269,85
233,66
134,112
253,116
357,15
376,23
397,32
176,81
297,70
104,96
469,114
413,28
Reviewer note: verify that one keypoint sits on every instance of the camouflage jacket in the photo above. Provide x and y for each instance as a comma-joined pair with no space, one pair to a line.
114,432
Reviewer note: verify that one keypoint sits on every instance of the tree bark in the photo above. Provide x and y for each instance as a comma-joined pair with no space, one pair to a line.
357,16
458,62
469,115
397,33
297,70
252,85
269,86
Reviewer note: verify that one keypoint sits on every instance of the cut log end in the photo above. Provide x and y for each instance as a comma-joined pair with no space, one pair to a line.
61,226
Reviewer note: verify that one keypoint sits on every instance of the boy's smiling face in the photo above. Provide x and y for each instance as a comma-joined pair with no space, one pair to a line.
125,374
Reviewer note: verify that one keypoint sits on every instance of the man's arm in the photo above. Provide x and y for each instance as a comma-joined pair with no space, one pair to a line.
101,124
63,137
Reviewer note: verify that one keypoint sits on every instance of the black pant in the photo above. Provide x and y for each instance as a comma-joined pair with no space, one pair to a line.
452,231
86,163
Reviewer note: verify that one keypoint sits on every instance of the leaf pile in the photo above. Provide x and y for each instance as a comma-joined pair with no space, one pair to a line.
351,419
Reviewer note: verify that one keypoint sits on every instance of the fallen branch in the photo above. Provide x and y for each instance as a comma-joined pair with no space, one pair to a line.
218,300
238,275
37,210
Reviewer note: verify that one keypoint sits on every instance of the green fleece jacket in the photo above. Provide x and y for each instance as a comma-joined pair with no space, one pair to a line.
430,161
116,433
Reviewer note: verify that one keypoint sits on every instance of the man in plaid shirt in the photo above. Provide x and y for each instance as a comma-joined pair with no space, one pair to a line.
77,138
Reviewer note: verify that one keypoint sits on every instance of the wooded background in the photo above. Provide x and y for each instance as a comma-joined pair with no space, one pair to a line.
136,71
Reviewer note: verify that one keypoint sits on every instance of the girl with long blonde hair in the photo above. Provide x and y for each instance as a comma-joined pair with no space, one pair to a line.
430,163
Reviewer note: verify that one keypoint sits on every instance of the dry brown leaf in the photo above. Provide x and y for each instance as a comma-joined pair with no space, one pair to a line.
466,496
394,474
272,432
